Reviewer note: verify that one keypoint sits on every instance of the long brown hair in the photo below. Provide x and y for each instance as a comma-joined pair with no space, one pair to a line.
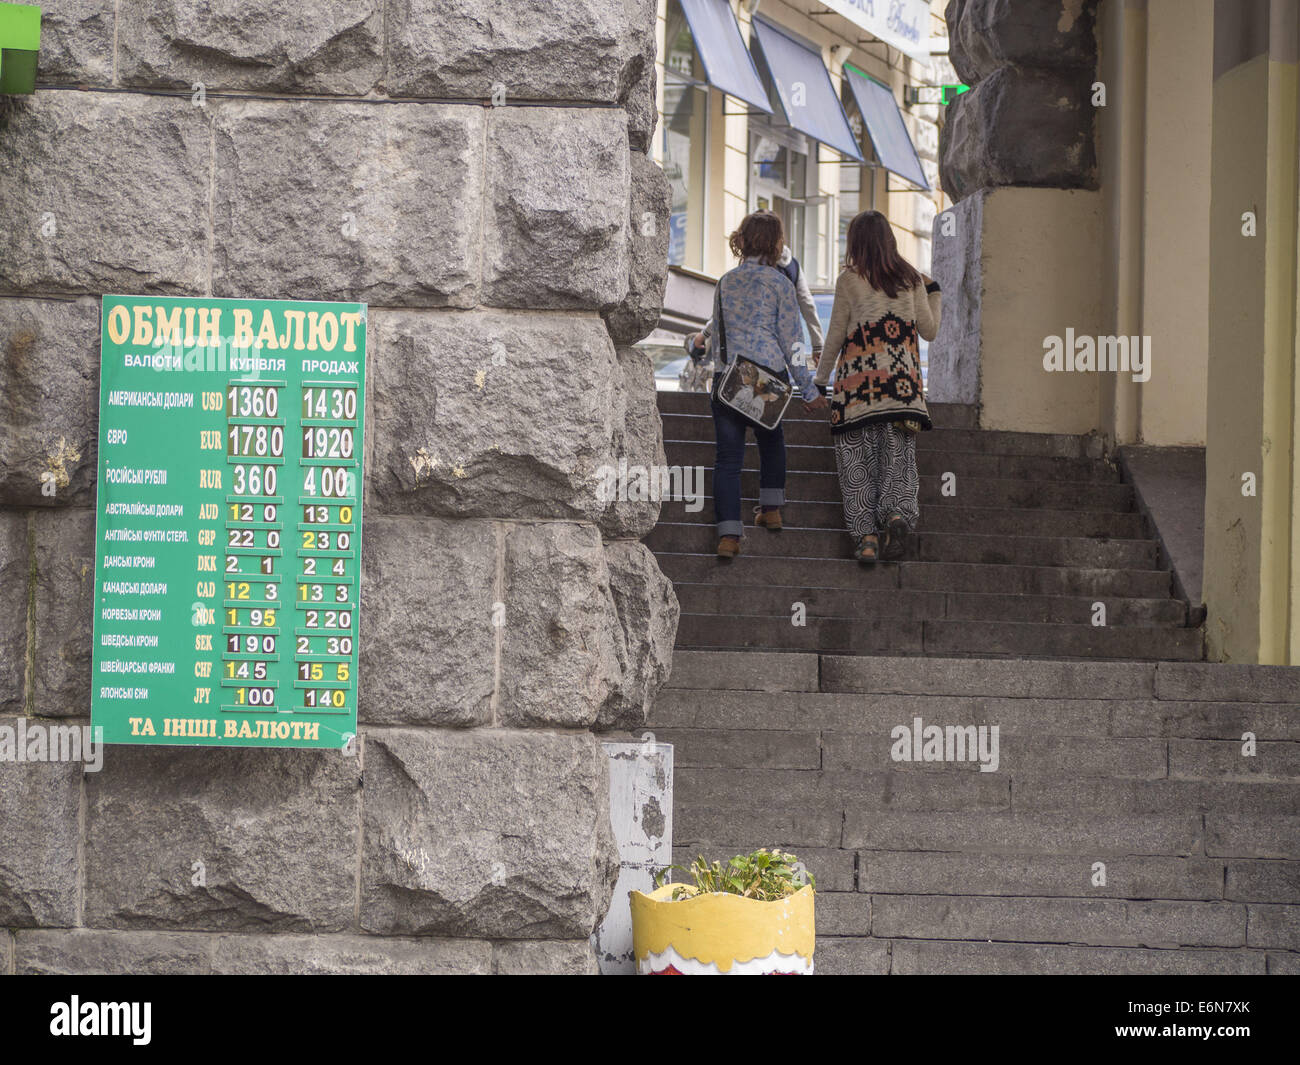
871,252
760,236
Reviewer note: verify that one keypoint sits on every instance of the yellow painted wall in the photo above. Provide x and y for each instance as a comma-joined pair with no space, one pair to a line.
1042,267
1279,568
1236,399
1251,571
1153,145
1176,268
1120,130
1293,647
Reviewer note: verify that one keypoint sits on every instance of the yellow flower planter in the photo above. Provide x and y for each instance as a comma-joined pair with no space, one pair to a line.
720,934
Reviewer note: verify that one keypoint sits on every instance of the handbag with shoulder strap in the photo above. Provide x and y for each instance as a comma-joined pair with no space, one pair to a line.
754,392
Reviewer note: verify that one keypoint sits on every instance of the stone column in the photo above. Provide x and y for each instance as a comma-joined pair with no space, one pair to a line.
1017,255
482,185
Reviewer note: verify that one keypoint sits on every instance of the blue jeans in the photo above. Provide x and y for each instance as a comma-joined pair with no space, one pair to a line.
729,431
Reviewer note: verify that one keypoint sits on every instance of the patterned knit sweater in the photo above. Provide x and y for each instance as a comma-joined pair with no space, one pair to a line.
871,344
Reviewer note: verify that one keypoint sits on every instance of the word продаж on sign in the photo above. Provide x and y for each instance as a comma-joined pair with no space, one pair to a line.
228,531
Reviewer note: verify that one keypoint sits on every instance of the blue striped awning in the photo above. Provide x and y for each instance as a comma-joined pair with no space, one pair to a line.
804,86
727,63
885,126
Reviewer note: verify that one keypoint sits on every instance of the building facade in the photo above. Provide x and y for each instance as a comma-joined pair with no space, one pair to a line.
809,109
1126,174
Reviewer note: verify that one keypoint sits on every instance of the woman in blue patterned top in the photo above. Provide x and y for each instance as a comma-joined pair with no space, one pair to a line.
757,304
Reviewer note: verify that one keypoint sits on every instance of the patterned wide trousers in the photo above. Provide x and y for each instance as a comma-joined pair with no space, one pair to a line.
878,477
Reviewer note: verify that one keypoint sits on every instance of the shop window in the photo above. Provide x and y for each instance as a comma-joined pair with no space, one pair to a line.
783,179
685,142
857,192
778,182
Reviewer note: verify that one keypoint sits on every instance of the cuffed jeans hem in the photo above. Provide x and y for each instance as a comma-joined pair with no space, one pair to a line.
731,528
771,497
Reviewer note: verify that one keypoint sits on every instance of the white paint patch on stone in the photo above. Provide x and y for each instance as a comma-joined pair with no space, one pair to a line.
641,813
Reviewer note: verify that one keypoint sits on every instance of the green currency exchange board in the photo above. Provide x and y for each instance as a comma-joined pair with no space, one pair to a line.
228,531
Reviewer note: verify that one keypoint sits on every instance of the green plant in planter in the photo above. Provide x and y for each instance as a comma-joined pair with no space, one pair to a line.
765,875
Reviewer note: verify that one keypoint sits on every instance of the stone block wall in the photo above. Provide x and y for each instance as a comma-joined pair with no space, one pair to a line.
475,171
1028,118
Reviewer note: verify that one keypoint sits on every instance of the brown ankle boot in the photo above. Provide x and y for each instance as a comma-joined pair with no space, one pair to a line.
771,521
728,546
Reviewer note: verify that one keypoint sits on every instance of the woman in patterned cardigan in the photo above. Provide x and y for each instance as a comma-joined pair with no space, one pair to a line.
882,303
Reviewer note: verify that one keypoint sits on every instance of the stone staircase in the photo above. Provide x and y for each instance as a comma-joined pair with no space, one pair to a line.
1115,746
1040,530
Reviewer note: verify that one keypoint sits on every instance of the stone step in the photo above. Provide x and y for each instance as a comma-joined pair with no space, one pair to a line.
854,765
1177,682
951,958
946,415
1253,689
1215,723
1105,922
906,873
1006,875
815,432
733,671
826,544
954,415
1083,834
1001,521
962,464
947,577
1260,799
989,492
887,636
893,636
721,786
705,796
1243,840
795,827
1134,764
901,603
1063,641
